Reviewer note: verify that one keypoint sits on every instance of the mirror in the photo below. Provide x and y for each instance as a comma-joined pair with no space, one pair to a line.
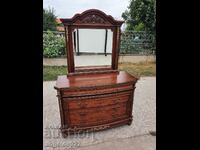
92,40
92,47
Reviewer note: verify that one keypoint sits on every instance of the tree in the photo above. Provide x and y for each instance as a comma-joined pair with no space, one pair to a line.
49,20
141,15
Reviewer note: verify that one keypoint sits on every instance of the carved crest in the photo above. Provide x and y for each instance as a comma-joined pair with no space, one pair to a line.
94,19
91,16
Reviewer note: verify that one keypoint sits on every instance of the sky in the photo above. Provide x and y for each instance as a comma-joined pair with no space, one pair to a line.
67,8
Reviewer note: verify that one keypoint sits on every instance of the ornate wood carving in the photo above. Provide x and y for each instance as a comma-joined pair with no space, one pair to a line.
91,16
94,19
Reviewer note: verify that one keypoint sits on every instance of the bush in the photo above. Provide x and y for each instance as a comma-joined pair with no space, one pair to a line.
53,45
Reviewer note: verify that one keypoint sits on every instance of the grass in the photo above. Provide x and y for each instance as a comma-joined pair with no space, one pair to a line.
51,72
140,69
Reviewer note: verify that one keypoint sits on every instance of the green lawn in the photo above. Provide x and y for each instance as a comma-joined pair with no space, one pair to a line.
51,72
141,69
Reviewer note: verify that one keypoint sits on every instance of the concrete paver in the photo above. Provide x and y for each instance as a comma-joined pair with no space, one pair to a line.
87,60
145,142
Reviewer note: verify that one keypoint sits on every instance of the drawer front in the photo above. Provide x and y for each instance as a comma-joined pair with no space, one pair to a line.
96,101
99,115
95,90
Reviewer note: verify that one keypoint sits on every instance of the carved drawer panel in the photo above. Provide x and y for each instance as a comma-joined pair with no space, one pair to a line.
98,115
96,101
95,90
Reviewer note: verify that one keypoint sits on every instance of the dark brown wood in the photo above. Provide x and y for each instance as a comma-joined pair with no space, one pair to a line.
94,128
67,47
92,16
100,80
92,71
70,51
117,47
114,49
92,19
95,100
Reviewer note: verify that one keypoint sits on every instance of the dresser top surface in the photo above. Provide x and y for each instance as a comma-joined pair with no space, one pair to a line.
94,80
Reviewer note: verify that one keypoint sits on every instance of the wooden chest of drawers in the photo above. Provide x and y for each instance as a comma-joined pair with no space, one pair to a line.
95,102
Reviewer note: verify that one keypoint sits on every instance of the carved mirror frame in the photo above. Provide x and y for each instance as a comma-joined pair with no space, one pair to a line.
91,19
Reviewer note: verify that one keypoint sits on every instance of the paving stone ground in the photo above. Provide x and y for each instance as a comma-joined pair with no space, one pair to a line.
143,142
133,137
87,60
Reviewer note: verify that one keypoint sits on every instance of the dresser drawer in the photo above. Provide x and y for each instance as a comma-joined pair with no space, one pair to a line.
96,90
84,117
96,101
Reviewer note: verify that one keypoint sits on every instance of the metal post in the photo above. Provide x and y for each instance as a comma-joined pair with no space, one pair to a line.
105,46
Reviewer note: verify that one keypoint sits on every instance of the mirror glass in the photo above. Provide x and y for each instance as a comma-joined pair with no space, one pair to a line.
92,47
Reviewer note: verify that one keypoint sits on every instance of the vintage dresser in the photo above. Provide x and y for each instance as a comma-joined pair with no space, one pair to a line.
93,98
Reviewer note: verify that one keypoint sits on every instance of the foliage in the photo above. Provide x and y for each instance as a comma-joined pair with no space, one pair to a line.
141,15
139,27
49,20
53,45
